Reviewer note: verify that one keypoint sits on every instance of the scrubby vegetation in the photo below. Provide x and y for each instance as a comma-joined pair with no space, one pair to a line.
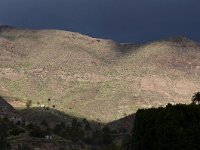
79,73
170,128
4,144
174,127
79,132
102,81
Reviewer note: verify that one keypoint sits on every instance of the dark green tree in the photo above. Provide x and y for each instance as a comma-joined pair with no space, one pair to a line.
196,98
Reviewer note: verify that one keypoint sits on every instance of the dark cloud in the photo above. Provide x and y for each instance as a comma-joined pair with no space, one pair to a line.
120,20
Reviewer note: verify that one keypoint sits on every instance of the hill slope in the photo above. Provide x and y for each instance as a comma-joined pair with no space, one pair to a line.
6,110
96,78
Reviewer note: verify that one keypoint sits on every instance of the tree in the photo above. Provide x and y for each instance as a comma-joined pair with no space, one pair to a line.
44,123
23,147
4,144
16,131
28,104
75,123
87,126
196,98
107,139
38,132
59,128
49,99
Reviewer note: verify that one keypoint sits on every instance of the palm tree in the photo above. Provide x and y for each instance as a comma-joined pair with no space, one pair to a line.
196,98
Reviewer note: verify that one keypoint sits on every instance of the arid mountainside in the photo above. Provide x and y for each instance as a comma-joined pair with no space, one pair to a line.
95,78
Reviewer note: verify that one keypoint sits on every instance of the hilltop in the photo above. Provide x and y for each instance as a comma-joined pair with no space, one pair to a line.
97,79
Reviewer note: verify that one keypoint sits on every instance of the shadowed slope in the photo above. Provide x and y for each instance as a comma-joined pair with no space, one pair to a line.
66,131
6,110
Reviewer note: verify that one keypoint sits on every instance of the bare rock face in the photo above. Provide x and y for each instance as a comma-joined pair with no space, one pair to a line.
95,78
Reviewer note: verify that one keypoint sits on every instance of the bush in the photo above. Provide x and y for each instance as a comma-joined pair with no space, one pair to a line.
37,132
88,140
59,129
30,126
4,144
87,126
73,133
111,147
23,147
107,139
28,104
16,131
44,123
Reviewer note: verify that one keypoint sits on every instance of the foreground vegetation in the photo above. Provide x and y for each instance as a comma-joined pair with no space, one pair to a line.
174,127
170,128
49,128
77,135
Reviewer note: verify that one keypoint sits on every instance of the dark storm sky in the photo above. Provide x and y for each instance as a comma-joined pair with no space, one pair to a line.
120,20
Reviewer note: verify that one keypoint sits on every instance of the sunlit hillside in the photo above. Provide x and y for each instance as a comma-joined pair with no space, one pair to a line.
98,79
